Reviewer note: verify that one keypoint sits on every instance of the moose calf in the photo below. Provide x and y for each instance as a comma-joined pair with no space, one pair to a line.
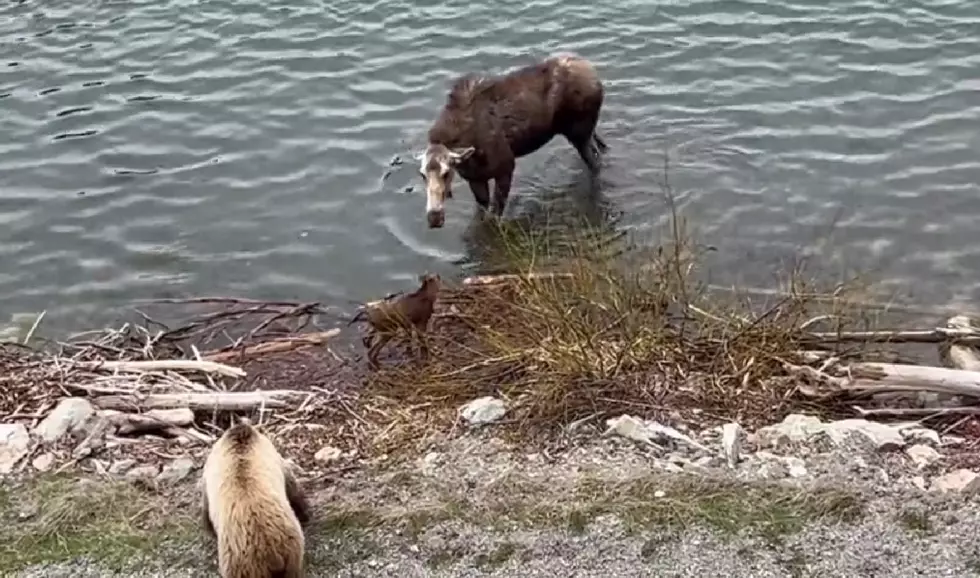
407,311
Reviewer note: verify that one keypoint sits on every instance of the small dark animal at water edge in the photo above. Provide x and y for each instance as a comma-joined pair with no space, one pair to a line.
254,506
401,312
488,122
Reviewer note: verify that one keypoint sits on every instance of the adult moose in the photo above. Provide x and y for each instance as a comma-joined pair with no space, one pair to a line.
488,122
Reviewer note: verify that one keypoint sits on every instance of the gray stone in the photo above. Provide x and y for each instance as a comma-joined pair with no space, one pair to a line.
328,454
483,410
120,467
70,415
176,471
795,467
731,442
43,462
147,472
882,437
922,455
795,428
772,470
15,442
962,481
921,435
647,431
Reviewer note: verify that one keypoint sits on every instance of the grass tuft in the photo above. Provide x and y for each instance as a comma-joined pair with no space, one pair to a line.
593,325
59,519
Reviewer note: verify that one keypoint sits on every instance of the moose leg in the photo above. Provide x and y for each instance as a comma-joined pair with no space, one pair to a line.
383,339
589,145
501,191
481,192
420,333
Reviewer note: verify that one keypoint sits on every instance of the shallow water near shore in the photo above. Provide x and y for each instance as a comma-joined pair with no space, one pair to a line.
161,149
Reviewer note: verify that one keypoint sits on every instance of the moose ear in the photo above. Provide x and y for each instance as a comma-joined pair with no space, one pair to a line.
460,155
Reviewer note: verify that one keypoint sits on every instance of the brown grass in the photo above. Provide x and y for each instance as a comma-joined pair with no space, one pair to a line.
625,330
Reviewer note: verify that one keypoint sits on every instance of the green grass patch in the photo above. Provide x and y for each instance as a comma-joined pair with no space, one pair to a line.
58,518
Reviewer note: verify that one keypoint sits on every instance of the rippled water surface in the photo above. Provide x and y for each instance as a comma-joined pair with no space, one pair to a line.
175,147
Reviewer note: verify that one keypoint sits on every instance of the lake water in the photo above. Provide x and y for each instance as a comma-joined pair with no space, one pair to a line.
160,148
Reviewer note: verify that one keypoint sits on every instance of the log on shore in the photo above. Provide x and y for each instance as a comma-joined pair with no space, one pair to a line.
938,335
218,401
871,378
151,421
165,365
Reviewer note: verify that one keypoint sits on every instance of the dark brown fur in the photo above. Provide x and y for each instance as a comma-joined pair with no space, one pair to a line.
491,121
403,312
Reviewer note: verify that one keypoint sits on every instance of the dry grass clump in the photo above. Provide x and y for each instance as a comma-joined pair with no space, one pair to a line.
56,518
592,328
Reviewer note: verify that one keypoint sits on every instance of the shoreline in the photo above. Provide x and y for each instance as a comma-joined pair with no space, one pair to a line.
477,505
652,406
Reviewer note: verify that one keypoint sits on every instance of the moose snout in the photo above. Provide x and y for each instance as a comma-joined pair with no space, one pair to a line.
436,219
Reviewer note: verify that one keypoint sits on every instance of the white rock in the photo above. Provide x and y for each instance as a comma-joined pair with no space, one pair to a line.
69,415
143,472
772,470
731,442
649,432
963,481
796,467
43,462
921,435
922,455
176,471
15,442
795,428
328,454
120,467
919,482
884,437
483,410
659,494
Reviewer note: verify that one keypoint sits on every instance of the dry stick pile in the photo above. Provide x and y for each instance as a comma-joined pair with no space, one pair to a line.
149,378
561,348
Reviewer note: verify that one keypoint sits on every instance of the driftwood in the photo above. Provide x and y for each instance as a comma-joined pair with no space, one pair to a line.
218,401
153,420
938,335
166,364
510,277
274,346
871,378
931,412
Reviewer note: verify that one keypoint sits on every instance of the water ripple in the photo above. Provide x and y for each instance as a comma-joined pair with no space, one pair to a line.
215,147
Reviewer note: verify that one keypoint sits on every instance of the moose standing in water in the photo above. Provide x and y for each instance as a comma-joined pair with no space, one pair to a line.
488,122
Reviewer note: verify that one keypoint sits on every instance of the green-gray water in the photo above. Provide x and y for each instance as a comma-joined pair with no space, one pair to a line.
169,147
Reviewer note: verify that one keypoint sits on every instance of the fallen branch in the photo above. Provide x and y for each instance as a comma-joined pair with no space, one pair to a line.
917,411
153,420
222,401
937,335
165,364
273,346
508,277
887,377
